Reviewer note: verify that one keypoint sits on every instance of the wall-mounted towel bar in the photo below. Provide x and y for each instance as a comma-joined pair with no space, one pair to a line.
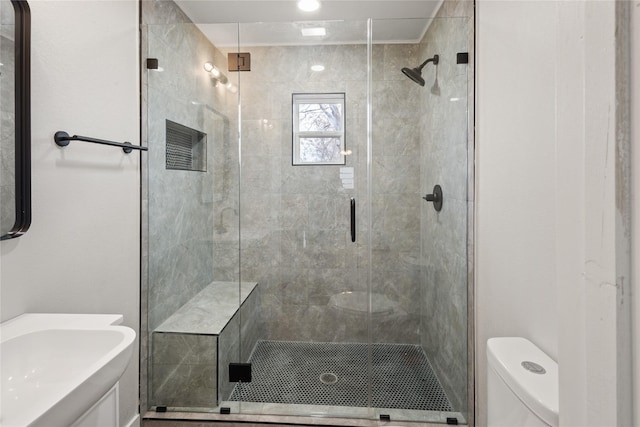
62,139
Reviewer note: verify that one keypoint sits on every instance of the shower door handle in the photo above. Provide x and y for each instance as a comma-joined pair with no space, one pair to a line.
353,219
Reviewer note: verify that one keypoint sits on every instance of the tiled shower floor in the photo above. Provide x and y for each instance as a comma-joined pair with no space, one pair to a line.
335,374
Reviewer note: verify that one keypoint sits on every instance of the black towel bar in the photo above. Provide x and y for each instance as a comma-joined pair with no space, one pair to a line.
62,139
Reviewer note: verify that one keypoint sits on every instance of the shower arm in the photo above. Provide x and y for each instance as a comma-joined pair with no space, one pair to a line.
435,61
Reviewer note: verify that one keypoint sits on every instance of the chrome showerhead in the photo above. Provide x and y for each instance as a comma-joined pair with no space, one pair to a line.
415,74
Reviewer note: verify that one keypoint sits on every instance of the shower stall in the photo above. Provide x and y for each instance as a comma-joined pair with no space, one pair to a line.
306,215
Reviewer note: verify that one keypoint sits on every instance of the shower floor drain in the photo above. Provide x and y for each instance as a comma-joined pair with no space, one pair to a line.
342,374
328,378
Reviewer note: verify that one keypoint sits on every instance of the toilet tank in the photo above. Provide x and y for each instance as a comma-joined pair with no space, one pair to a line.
522,384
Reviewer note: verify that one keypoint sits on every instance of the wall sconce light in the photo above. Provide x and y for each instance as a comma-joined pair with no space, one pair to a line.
210,68
218,77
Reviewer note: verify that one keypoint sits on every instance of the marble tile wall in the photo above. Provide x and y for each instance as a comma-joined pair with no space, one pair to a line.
184,206
395,251
185,370
295,219
238,339
444,160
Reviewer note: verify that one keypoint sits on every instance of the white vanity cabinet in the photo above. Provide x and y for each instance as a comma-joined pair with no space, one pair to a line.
105,413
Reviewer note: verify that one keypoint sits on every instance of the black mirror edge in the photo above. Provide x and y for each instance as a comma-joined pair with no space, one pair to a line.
22,119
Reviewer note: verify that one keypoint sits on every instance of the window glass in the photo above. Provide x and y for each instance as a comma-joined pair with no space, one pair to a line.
318,129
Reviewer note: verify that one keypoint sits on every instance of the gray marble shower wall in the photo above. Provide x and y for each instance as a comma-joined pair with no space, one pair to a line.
295,219
444,161
191,213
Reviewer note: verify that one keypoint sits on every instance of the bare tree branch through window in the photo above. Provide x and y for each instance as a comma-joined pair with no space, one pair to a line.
319,129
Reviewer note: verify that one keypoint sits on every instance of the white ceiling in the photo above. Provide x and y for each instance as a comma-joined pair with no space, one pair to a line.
273,23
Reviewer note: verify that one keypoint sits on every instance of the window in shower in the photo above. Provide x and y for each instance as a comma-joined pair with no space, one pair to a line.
318,129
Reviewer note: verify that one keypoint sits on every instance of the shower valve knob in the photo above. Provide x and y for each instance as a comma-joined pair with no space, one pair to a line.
435,197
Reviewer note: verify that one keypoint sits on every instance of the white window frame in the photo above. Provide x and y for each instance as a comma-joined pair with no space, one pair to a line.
317,98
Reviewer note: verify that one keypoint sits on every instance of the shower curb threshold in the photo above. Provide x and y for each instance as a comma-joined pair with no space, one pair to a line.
159,419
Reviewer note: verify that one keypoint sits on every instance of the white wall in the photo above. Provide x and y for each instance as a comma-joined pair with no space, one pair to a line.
81,254
551,230
515,220
592,217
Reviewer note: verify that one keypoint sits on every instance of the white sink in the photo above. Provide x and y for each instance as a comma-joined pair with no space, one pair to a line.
56,366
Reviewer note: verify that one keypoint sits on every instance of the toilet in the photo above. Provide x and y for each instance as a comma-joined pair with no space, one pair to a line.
522,384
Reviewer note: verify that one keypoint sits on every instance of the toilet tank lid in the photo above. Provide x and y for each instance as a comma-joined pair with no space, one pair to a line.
539,392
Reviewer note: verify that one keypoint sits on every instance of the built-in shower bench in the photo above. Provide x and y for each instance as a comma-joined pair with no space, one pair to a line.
193,347
210,310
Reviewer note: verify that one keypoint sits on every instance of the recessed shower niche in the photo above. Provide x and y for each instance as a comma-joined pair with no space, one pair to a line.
186,148
359,298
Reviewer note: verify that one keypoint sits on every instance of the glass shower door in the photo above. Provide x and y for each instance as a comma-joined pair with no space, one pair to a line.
192,228
289,231
376,327
419,236
303,217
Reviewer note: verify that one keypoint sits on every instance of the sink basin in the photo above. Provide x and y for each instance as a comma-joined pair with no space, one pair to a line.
55,367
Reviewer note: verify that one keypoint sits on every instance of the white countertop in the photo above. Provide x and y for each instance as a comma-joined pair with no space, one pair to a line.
31,322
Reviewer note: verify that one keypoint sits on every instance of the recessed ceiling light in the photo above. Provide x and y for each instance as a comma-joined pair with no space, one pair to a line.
311,32
317,67
308,5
